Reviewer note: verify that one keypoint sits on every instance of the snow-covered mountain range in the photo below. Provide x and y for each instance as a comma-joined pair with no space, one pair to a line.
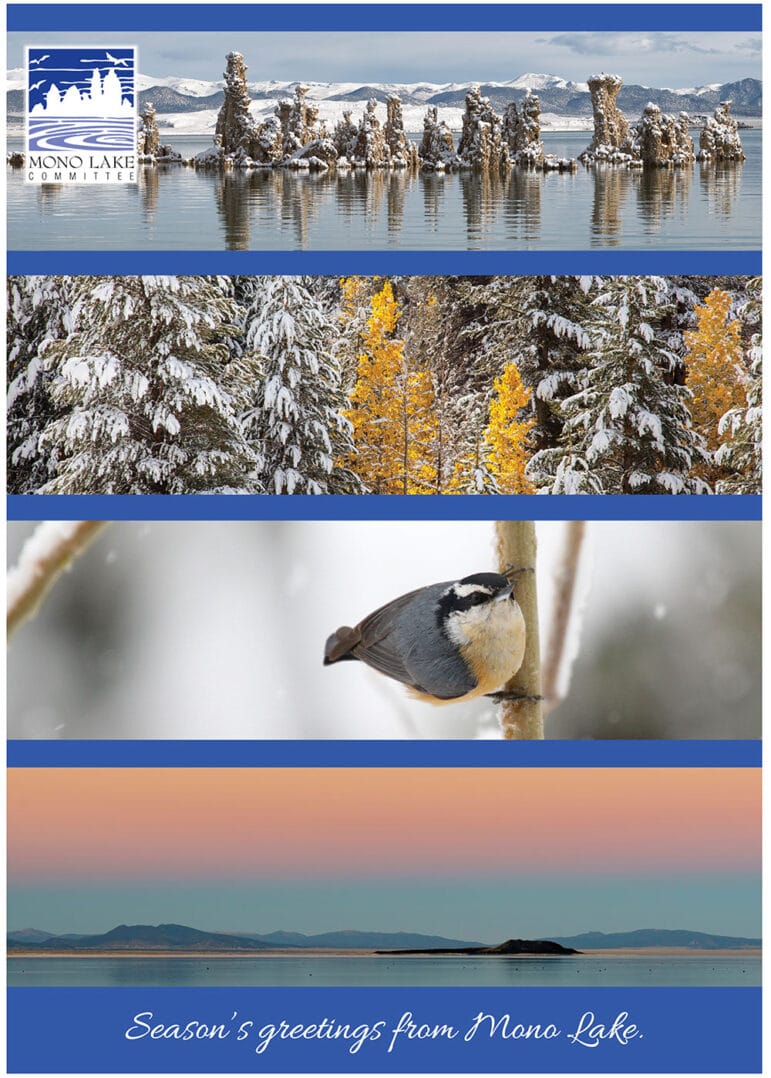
190,106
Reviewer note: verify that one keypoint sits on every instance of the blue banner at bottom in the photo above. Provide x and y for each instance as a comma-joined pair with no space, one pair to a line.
377,1030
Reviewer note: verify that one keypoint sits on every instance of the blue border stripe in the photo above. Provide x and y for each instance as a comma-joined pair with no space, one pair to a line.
121,753
383,507
380,263
704,1030
415,17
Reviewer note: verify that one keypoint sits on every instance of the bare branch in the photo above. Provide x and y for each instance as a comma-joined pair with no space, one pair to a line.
50,550
522,718
564,594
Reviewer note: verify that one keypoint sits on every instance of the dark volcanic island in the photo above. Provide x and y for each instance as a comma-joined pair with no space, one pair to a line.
523,947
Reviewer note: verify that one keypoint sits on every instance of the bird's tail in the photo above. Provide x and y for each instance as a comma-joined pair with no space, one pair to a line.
338,646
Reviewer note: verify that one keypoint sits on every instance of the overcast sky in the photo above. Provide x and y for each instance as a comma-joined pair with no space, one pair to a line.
655,58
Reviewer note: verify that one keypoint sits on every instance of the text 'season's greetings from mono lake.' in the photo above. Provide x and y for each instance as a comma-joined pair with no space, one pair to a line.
372,744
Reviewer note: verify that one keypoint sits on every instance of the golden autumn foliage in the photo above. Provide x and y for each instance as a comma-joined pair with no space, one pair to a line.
468,474
506,434
352,291
714,366
392,408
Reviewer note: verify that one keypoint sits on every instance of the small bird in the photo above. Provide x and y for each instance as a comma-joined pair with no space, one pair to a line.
446,642
40,59
37,85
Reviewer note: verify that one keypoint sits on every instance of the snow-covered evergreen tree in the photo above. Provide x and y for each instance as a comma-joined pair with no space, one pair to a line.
352,314
294,400
138,385
553,337
537,323
627,429
38,313
741,453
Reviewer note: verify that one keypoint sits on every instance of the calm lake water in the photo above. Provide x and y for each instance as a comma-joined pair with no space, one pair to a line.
398,971
705,207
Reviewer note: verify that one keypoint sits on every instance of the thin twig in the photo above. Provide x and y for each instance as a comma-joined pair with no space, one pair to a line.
522,712
50,549
562,608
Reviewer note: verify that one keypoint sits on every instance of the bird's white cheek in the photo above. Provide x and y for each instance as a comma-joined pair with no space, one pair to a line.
457,630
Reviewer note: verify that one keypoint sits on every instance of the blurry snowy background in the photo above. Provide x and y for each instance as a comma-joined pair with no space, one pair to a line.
217,631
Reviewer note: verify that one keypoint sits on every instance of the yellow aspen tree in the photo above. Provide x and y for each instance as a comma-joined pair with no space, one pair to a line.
375,412
423,431
354,296
461,479
506,434
428,400
420,435
393,409
714,362
351,289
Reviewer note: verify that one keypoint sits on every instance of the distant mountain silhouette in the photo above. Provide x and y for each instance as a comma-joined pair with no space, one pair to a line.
556,95
657,937
145,938
30,935
377,93
363,940
175,937
525,947
570,100
181,937
164,99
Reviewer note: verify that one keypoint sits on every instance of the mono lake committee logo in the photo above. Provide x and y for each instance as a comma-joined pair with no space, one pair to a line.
81,115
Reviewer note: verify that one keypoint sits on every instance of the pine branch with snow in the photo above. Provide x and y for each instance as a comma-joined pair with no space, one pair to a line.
138,384
292,408
741,428
38,314
627,429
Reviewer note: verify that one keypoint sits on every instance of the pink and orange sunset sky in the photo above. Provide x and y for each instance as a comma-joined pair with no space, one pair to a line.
245,834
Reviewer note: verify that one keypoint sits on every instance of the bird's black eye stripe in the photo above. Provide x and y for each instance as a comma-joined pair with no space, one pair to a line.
479,597
450,603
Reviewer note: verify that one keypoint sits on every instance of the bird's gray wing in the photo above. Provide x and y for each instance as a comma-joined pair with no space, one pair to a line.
377,645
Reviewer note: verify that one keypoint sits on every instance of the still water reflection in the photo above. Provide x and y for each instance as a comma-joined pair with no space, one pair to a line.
318,971
172,208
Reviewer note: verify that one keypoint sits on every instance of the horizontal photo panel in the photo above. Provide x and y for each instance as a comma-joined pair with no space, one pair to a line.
486,140
384,630
434,877
384,385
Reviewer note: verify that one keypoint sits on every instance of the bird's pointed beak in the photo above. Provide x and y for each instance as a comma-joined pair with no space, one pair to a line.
506,593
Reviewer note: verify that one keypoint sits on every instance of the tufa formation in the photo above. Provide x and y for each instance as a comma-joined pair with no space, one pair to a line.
719,139
295,137
656,140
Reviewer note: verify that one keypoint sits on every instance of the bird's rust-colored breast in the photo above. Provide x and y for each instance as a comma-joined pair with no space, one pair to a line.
495,646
